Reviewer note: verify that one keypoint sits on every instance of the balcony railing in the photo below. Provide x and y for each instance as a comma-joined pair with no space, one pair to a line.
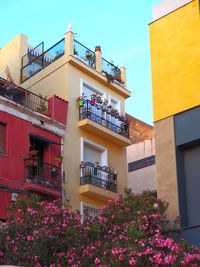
103,177
36,59
84,54
104,116
43,173
23,97
112,72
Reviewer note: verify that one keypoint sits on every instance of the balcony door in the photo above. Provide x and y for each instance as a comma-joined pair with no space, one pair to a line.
92,154
95,109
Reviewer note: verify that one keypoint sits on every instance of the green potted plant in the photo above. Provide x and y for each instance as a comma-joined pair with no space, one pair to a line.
80,101
88,177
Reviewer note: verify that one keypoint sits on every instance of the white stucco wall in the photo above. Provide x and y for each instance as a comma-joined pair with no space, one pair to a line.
145,178
167,6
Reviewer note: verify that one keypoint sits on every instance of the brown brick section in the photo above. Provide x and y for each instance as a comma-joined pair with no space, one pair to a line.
139,130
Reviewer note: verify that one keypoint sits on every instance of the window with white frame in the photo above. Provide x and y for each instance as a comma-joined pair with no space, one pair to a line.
88,90
92,152
88,210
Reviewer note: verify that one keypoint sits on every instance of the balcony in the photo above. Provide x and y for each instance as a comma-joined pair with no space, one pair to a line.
99,182
112,72
108,69
84,54
23,97
101,119
37,59
42,178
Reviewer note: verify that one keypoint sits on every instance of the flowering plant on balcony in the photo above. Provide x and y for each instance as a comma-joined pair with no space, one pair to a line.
93,99
99,99
114,112
109,108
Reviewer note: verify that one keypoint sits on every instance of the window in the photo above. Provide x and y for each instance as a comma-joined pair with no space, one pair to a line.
88,210
92,152
88,90
2,138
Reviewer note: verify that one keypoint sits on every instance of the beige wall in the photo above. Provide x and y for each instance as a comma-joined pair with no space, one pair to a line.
11,54
145,178
166,164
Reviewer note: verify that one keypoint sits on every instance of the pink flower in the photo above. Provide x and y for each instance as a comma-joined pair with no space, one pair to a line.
97,261
121,257
30,238
132,261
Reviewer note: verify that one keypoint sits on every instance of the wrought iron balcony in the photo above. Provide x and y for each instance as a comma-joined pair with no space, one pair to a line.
103,177
37,59
23,97
43,173
84,54
104,116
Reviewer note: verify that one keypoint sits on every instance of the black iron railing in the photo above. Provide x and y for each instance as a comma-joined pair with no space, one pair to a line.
42,173
23,97
112,72
36,59
84,54
101,115
103,177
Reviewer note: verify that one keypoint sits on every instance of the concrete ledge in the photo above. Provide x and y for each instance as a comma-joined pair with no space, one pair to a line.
104,132
97,192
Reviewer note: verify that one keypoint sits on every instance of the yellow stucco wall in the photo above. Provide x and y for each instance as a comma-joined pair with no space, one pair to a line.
11,54
175,61
64,79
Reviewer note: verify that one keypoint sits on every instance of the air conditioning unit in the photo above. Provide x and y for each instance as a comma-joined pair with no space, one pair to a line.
14,197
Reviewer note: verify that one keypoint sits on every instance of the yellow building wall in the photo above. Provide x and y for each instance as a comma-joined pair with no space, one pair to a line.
175,61
11,54
63,79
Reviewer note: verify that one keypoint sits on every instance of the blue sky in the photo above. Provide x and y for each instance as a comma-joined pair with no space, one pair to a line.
119,27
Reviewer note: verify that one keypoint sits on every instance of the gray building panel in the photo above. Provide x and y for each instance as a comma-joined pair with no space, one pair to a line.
187,126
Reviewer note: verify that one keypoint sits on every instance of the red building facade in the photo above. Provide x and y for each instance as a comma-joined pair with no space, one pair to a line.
31,132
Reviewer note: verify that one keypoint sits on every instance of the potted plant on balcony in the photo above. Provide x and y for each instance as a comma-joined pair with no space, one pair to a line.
109,77
104,104
88,55
93,99
109,108
113,112
80,101
28,161
88,177
117,115
33,152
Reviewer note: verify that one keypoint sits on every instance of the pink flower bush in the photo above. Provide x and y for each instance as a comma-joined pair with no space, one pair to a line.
129,231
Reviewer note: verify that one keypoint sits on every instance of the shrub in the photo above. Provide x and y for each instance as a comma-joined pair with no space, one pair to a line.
129,231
